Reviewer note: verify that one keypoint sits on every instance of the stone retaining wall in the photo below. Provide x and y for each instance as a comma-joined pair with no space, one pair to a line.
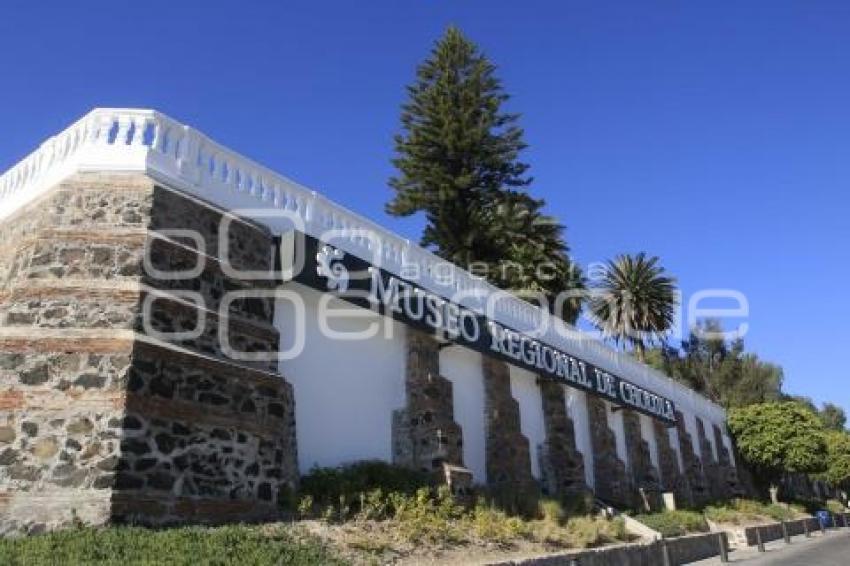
681,550
773,531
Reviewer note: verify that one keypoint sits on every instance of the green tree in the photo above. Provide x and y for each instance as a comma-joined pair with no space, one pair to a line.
459,151
833,417
779,438
837,472
458,163
719,369
634,301
533,259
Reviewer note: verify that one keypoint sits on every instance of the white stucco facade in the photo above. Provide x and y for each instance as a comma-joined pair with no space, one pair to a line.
345,391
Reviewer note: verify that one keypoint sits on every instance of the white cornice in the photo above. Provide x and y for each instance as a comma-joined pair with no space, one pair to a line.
124,139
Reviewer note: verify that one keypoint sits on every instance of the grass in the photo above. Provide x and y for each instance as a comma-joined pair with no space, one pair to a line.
122,546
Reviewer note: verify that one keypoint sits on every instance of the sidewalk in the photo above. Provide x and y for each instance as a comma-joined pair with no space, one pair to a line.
773,548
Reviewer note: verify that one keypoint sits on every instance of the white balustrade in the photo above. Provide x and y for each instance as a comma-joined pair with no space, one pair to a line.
150,142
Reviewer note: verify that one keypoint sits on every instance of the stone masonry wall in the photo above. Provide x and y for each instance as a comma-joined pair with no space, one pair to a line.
693,471
644,475
612,481
507,456
727,471
425,434
672,479
718,487
562,464
106,418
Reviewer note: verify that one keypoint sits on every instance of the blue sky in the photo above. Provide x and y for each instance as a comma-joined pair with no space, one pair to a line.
713,134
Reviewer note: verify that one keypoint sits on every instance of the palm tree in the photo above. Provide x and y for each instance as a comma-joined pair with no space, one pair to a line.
634,301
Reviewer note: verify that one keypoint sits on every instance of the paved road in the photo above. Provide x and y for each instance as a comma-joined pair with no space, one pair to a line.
830,550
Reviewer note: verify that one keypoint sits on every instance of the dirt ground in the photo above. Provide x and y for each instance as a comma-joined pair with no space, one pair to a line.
374,542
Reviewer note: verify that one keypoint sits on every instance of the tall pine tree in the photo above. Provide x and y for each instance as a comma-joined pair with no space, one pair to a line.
458,163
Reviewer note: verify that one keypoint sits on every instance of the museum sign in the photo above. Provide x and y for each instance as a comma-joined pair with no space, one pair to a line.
328,269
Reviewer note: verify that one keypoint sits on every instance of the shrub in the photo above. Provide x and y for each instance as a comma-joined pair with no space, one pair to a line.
675,523
551,510
305,506
346,487
493,525
427,516
835,506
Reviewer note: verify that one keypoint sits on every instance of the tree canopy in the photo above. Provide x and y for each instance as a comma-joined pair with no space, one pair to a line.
833,417
837,472
458,163
719,369
777,438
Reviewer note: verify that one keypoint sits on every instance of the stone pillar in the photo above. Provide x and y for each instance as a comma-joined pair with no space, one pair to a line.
672,479
693,471
717,484
508,460
612,482
425,434
106,413
562,464
644,475
728,471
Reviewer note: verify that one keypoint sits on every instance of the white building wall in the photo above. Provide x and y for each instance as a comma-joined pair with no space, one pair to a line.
647,432
577,411
525,390
462,367
345,391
